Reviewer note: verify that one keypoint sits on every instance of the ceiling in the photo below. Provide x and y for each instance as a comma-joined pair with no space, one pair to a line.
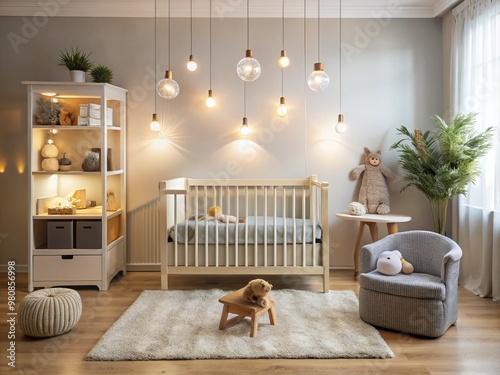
229,8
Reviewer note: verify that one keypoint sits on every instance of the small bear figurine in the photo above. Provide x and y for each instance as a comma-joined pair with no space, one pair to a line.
256,292
374,192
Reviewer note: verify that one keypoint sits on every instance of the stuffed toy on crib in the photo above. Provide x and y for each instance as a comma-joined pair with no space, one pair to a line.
215,213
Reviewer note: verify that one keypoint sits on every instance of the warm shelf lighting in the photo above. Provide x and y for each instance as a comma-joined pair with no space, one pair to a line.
155,124
282,110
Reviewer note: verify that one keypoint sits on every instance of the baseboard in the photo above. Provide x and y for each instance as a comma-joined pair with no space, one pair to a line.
143,267
19,268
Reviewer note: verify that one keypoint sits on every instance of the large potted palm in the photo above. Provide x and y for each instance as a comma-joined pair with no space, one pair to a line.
443,162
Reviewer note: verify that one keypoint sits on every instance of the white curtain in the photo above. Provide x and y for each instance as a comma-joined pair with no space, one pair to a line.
475,87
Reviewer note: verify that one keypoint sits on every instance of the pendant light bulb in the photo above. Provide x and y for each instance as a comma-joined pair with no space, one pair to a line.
283,61
155,124
210,102
318,80
191,64
245,130
167,88
248,68
282,110
341,126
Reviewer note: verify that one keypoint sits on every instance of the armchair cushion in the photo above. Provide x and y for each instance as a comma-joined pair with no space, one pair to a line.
416,285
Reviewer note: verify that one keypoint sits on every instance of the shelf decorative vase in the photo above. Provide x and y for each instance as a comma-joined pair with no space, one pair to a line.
77,75
91,162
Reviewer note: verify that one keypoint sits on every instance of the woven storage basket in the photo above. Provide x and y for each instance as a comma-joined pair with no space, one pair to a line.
50,312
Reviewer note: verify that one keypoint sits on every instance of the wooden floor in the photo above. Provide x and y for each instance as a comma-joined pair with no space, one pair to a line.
470,347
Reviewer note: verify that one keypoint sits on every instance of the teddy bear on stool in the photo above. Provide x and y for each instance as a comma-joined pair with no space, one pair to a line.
256,292
374,192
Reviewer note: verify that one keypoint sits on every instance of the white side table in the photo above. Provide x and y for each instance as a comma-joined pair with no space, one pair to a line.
371,221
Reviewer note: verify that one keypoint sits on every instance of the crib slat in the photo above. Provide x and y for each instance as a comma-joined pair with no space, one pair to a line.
186,228
294,229
216,231
285,239
304,259
246,227
256,242
313,209
265,226
228,203
196,230
237,227
275,218
176,262
205,206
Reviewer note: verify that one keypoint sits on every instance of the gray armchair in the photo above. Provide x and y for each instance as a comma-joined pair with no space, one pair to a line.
422,303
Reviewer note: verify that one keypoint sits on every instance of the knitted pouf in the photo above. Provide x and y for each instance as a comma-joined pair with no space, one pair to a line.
49,312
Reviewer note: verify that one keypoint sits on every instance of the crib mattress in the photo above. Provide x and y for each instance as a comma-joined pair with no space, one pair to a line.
285,230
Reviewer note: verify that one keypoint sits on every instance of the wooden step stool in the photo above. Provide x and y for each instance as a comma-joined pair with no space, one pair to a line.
234,303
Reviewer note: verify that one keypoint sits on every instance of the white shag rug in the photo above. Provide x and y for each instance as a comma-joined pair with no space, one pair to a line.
163,325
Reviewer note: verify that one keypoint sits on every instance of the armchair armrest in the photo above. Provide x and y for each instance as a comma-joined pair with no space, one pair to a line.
451,258
370,254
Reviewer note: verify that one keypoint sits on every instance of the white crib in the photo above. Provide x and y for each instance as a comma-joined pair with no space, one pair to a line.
285,228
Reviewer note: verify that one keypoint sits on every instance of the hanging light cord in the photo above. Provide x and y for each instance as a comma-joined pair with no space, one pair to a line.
340,56
305,92
168,34
210,47
244,99
283,42
155,54
248,27
318,33
191,26
283,24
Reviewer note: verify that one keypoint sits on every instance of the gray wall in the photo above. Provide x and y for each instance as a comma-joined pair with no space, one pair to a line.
391,75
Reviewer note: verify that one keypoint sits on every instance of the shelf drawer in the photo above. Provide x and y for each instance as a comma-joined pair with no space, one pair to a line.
66,267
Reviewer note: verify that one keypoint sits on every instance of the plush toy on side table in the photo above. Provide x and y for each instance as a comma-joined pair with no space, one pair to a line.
374,192
392,262
256,292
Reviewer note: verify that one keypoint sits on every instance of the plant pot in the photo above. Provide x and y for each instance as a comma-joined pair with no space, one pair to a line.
77,75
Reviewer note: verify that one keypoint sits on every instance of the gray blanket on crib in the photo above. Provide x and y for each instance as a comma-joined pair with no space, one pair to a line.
254,229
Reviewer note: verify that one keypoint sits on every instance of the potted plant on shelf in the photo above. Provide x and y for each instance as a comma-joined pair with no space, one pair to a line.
101,73
77,62
442,163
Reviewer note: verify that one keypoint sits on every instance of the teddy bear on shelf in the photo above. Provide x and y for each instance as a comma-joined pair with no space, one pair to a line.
215,213
374,193
392,262
256,291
